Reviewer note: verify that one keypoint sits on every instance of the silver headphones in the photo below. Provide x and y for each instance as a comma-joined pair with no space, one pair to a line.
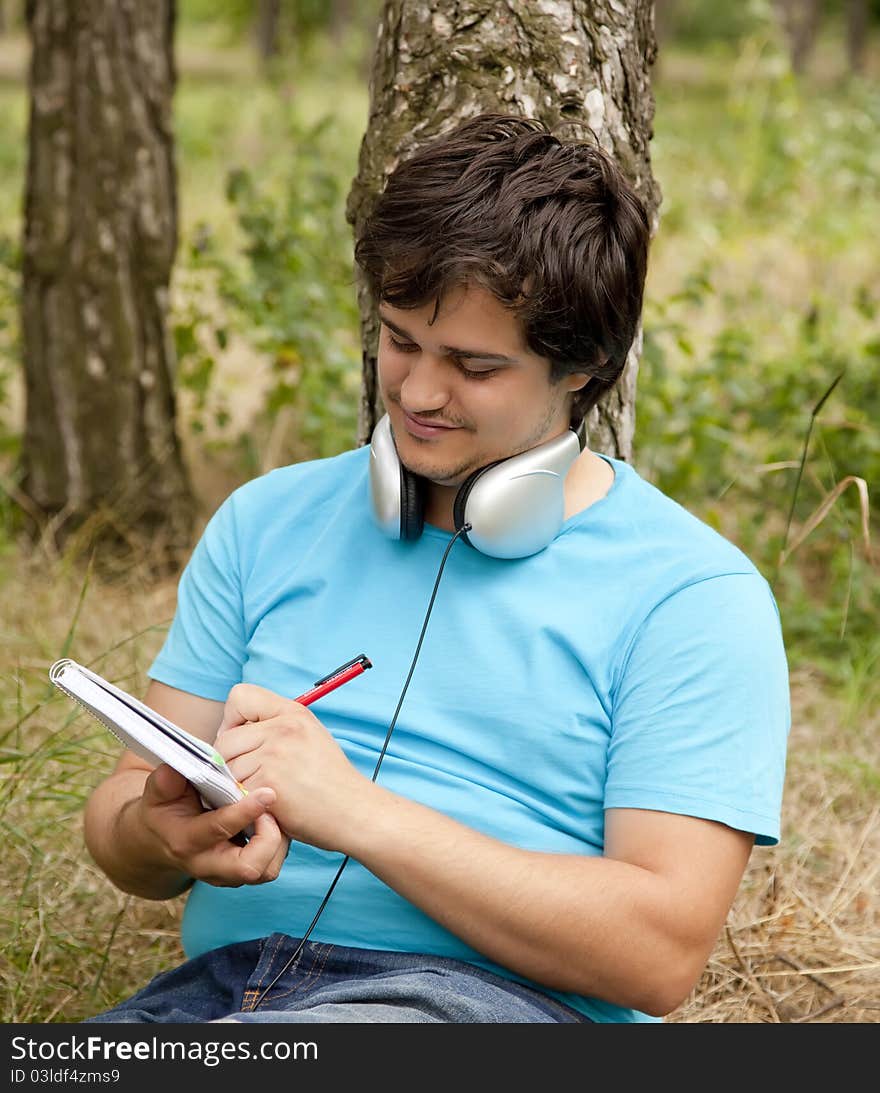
515,507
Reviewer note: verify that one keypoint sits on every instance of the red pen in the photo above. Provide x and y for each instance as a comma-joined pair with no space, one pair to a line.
340,675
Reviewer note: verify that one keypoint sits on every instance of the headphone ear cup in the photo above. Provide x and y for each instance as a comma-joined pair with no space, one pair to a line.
515,507
412,505
459,508
397,496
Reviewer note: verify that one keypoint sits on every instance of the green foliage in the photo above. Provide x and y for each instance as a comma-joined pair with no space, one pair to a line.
701,24
775,297
237,15
300,23
293,296
723,431
196,343
698,23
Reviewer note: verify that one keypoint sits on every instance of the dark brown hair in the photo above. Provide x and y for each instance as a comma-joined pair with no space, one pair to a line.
551,228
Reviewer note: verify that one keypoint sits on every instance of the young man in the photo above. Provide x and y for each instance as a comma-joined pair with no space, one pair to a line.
593,736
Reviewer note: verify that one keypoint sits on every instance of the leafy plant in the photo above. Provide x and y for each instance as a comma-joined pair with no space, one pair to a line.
291,295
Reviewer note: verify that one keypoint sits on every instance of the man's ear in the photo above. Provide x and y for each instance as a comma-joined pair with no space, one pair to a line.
577,381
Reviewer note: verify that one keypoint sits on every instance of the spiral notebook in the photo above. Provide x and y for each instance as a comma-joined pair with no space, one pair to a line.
149,734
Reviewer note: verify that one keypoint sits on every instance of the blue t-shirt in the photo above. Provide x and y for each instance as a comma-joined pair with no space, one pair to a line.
637,662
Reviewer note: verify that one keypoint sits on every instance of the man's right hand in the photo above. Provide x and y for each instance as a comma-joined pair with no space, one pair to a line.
197,842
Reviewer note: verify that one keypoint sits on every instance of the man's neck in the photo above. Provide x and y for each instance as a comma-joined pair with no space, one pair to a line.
588,480
439,506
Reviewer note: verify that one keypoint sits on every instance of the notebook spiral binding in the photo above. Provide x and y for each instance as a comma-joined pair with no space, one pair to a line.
55,674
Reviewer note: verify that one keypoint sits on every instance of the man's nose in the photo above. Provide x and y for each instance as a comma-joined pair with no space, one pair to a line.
425,387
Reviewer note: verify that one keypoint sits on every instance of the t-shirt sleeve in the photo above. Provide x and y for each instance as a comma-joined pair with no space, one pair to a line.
701,714
205,648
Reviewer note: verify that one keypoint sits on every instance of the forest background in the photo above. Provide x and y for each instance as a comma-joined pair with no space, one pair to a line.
758,408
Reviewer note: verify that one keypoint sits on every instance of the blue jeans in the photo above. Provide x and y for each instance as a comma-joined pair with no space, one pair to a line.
332,983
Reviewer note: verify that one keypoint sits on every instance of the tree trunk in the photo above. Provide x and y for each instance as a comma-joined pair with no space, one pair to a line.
584,64
340,17
100,446
800,20
856,34
268,19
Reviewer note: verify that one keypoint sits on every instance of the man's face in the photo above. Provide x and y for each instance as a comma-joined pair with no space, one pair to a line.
464,391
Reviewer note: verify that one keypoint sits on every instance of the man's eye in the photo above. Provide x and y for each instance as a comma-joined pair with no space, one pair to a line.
477,373
411,347
401,347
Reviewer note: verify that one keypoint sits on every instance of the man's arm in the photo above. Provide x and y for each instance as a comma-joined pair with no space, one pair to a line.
634,927
147,829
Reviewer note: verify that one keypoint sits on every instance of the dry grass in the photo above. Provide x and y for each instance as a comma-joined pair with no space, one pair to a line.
802,942
69,942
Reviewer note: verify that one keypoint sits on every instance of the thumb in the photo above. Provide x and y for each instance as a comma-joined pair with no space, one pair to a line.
165,784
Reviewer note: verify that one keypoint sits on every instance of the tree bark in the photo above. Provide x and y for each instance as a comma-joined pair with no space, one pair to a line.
268,19
100,445
857,25
341,15
800,20
577,65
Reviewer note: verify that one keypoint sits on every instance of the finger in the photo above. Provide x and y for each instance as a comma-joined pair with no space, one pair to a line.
163,785
218,825
281,855
248,702
262,858
246,770
245,738
229,867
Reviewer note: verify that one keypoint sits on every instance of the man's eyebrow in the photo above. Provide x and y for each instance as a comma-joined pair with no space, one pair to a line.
470,354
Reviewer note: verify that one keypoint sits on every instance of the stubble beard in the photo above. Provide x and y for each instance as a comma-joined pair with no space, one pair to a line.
451,477
440,474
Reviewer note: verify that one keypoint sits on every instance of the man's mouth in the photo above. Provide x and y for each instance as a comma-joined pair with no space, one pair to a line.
426,428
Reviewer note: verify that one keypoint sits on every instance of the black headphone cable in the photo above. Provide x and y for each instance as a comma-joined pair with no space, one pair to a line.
298,951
